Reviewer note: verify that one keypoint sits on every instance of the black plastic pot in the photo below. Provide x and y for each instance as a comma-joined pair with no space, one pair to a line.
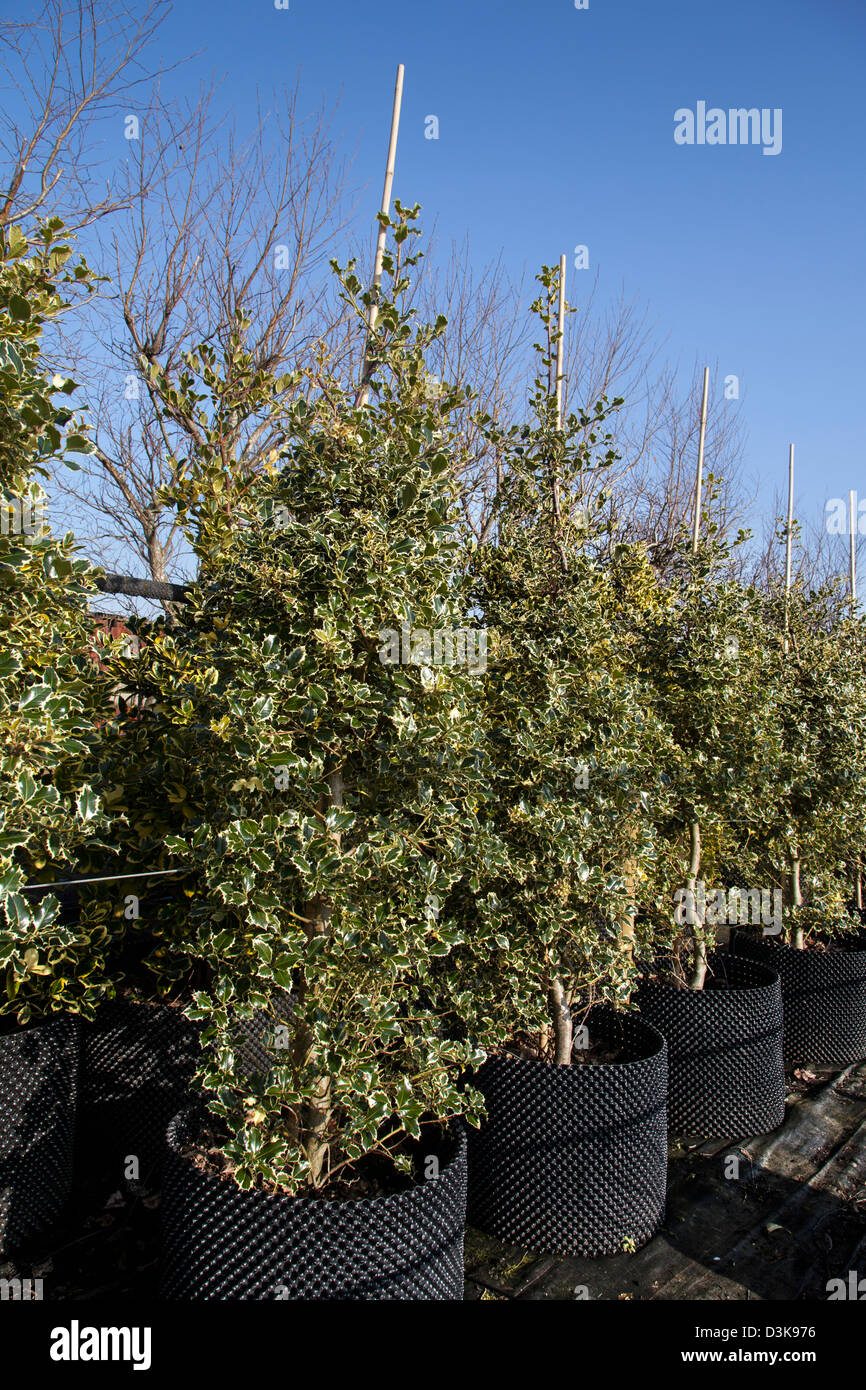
220,1242
823,998
38,1092
573,1160
137,1061
726,1071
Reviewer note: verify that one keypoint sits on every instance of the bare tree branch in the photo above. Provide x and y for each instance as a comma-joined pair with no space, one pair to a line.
75,65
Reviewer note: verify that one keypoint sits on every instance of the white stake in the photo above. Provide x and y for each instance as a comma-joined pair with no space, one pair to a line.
852,563
696,527
852,527
788,539
361,398
560,346
554,476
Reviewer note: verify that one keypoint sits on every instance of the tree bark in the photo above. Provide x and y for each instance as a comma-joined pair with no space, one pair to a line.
316,1122
142,588
563,1024
798,936
699,960
317,1114
627,920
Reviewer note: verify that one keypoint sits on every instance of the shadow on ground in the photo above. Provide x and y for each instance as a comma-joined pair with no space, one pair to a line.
772,1218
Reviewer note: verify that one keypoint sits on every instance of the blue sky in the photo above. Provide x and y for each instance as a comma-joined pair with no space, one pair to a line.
556,128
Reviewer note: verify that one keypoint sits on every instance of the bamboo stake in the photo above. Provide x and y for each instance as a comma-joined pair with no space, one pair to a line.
852,561
558,1000
320,1108
852,555
699,964
554,476
852,580
696,526
560,346
797,937
788,542
372,313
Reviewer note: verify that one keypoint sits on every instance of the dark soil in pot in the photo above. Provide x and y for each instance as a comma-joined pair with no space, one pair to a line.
137,1062
38,1093
726,1071
573,1160
222,1242
823,996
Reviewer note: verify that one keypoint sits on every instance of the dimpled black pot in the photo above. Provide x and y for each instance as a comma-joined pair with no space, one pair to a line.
222,1242
38,1095
823,997
573,1160
726,1072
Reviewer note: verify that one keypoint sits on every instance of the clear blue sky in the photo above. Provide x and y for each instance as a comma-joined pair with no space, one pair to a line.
556,128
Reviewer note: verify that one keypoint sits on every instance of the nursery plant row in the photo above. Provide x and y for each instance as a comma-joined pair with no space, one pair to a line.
430,931
569,1160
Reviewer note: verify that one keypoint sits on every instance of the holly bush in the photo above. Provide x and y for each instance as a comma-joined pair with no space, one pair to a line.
53,692
574,759
811,832
330,794
707,670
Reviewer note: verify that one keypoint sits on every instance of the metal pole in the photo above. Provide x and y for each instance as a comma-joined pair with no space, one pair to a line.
107,878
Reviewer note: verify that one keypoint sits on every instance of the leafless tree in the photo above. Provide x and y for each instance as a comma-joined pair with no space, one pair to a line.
819,556
484,346
652,495
212,232
614,350
224,242
75,64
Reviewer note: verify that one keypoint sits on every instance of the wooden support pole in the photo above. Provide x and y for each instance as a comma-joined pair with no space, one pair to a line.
852,554
699,962
557,387
788,541
558,1001
852,579
699,481
560,345
372,313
